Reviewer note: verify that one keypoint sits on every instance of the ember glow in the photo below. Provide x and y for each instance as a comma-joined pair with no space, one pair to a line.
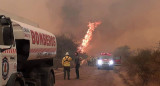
88,36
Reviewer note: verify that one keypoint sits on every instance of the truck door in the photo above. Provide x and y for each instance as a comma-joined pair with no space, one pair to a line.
8,56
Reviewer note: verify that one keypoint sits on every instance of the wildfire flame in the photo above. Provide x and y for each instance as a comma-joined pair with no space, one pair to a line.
88,37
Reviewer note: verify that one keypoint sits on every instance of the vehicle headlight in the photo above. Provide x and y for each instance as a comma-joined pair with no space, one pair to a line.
100,62
111,62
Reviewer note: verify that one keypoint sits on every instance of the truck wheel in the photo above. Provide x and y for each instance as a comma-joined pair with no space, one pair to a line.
111,67
51,79
17,83
48,78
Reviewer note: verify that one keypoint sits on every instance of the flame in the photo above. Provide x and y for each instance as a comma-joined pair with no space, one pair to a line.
88,36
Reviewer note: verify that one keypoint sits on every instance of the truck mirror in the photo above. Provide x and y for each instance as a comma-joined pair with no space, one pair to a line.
4,21
8,36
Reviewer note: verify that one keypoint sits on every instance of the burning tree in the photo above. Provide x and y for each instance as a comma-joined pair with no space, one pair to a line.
88,37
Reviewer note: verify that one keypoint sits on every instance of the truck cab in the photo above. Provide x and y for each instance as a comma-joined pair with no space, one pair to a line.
8,61
26,54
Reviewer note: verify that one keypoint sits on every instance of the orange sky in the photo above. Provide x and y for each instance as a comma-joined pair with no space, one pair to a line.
124,22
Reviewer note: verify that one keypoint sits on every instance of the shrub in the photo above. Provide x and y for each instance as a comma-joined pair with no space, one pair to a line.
145,64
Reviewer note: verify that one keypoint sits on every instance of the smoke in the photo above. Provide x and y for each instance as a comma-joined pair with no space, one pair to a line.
36,11
124,22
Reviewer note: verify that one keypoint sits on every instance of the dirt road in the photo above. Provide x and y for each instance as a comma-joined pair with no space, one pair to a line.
91,76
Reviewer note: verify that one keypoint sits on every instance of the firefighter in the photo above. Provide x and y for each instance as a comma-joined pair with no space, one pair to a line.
66,64
88,61
77,64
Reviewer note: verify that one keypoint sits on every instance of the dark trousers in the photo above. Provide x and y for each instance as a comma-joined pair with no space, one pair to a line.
88,63
77,70
67,70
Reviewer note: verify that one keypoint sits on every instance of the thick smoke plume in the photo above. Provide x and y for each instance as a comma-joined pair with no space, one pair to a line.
125,22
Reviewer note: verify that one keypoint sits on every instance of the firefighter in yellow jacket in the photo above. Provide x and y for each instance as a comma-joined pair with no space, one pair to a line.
66,64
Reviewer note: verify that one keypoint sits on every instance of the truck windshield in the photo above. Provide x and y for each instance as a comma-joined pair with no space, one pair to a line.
105,57
1,36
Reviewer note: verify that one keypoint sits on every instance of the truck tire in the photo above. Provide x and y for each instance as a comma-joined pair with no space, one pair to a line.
51,79
111,68
14,80
48,78
17,83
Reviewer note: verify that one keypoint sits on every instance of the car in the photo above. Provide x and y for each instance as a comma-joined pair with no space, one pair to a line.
117,60
105,61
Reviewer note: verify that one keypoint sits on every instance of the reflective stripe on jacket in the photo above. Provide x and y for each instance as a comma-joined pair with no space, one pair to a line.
66,61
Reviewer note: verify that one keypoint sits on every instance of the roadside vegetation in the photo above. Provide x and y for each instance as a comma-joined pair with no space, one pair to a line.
142,65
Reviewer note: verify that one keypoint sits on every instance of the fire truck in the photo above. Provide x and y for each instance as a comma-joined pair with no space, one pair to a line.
26,54
105,60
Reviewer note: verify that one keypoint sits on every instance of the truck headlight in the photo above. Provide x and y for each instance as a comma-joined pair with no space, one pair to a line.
111,62
100,62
